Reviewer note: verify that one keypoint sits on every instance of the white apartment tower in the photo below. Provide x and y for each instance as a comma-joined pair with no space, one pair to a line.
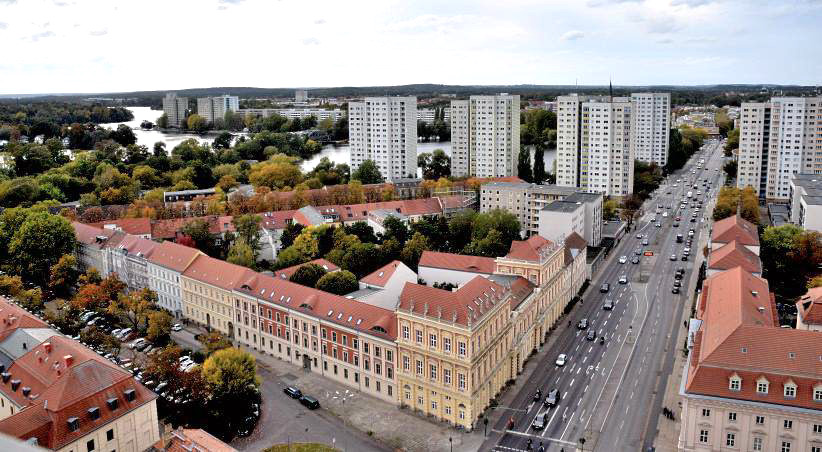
175,109
384,129
485,136
594,144
777,140
301,95
652,126
213,108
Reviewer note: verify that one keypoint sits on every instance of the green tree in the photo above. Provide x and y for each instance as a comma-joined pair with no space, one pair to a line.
435,165
213,342
501,220
777,247
732,143
362,230
540,175
368,173
241,253
290,233
396,229
39,243
460,228
123,135
610,209
197,123
308,275
162,121
492,245
524,165
730,169
200,232
412,251
340,282
230,375
247,228
361,258
223,141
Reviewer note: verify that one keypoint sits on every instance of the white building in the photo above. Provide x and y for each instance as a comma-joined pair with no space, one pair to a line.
429,115
594,150
384,129
652,126
294,113
165,265
213,108
488,129
175,109
384,286
806,201
559,219
301,95
778,139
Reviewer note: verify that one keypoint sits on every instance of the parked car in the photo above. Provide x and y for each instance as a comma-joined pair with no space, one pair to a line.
176,327
673,257
293,392
136,343
675,290
310,402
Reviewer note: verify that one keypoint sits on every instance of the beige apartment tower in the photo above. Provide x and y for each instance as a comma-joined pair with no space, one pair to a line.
485,136
175,109
384,130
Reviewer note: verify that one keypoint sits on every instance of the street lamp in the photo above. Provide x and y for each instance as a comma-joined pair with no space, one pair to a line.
582,442
485,423
451,443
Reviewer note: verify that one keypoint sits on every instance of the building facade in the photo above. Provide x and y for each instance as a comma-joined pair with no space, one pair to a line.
295,113
206,287
488,129
214,108
806,201
652,126
165,266
301,95
594,144
384,130
777,140
175,109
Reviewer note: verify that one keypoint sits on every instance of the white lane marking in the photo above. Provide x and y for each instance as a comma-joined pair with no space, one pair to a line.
572,383
579,369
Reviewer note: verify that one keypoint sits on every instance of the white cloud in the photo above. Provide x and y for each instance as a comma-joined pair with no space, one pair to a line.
572,35
100,32
311,41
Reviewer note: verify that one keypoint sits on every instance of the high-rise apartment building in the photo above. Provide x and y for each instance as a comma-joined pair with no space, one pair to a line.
777,140
301,95
594,144
486,142
652,126
175,109
384,129
213,108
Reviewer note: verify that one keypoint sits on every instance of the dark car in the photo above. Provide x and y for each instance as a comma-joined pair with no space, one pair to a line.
540,421
635,260
677,283
293,392
552,399
591,335
678,275
310,402
605,287
609,304
675,290
676,225
684,257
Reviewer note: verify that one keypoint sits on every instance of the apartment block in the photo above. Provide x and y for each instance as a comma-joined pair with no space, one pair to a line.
301,95
165,267
806,201
295,113
175,109
594,144
429,115
488,128
384,130
214,108
652,126
206,286
777,140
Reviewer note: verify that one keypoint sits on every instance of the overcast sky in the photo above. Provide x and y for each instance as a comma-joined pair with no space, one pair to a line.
51,46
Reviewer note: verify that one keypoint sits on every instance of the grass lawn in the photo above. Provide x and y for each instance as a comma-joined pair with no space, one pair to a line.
301,447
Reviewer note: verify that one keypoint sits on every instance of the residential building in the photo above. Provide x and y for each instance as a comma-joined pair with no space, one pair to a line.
295,113
384,130
429,115
458,269
736,229
301,95
214,108
206,286
527,201
748,384
128,259
559,219
141,227
383,286
595,144
165,266
732,255
576,261
59,395
90,244
809,310
175,109
777,140
652,126
488,128
377,218
806,201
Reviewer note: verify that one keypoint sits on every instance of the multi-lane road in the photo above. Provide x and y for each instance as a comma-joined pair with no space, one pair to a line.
611,392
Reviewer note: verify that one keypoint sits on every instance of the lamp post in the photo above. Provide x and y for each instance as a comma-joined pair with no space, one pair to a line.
582,443
485,424
451,443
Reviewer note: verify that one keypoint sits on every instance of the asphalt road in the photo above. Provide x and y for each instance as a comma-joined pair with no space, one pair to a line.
611,393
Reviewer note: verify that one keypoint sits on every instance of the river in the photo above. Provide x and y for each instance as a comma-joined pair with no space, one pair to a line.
337,154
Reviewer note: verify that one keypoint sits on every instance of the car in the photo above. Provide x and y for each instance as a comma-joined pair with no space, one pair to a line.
136,343
591,335
561,360
638,251
653,218
673,257
292,392
604,288
310,402
639,236
142,346
160,387
691,233
645,241
540,421
623,279
659,225
664,214
552,399
623,259
692,220
176,327
582,324
675,290
115,332
635,260
676,225
608,305
678,275
677,283
686,250
678,218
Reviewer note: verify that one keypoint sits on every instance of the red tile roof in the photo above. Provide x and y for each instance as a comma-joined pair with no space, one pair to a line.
458,262
732,255
168,229
735,228
286,273
13,317
134,226
809,307
325,306
62,388
174,256
575,241
359,212
196,439
468,304
381,276
216,272
528,250
88,234
277,219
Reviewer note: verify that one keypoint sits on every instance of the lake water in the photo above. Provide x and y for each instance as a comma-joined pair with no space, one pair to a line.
337,154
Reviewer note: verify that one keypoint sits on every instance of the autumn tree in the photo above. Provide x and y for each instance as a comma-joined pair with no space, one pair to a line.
63,275
159,327
413,249
214,341
134,307
308,275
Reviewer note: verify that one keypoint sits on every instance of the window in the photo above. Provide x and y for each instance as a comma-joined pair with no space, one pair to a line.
817,428
389,356
706,412
790,390
461,348
762,386
405,363
333,336
817,394
786,446
446,344
703,436
90,445
757,443
110,435
419,336
760,420
735,384
419,367
433,371
461,381
730,439
732,417
446,376
406,334
787,424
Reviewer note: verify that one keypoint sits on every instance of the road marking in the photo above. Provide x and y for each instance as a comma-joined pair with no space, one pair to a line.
591,349
572,382
565,395
579,369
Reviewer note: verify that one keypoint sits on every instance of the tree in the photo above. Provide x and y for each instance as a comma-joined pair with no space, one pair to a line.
730,169
339,282
213,342
434,166
290,233
368,173
491,245
63,275
247,228
460,229
223,141
732,143
362,230
413,249
196,123
39,243
540,175
241,254
524,165
200,231
231,378
277,172
396,229
784,276
159,327
124,135
501,220
134,307
609,209
308,275
162,121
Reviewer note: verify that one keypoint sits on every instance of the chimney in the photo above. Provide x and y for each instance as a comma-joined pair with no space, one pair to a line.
47,346
761,309
26,391
15,384
5,376
69,360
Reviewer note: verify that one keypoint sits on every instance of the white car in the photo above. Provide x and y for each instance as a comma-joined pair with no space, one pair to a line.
561,360
623,259
137,342
176,327
623,279
664,214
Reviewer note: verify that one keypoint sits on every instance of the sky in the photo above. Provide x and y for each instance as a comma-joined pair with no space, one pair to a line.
90,46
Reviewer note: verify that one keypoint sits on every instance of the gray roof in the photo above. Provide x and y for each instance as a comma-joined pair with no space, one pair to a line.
23,340
383,214
544,188
813,200
611,228
314,216
204,191
808,181
563,206
584,197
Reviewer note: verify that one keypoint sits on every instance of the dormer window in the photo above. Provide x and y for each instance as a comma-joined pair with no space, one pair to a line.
94,413
789,390
735,383
762,386
73,424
